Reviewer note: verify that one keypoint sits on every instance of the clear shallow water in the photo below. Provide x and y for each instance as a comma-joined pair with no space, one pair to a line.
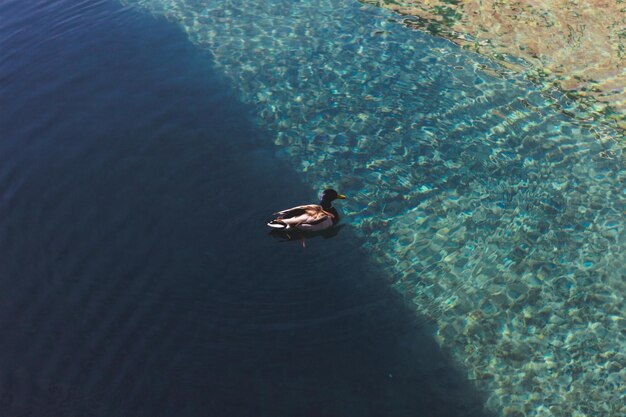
136,274
500,217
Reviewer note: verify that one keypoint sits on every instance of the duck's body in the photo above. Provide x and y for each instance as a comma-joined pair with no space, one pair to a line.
310,217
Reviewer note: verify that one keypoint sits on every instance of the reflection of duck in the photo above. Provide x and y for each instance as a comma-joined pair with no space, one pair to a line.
311,217
290,235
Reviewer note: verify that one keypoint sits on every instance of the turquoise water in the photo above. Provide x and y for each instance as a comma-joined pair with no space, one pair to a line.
499,216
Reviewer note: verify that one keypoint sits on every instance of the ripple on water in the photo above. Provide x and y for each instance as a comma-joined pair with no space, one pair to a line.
498,216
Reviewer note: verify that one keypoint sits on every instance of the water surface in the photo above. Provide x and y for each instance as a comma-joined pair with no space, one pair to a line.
137,277
490,207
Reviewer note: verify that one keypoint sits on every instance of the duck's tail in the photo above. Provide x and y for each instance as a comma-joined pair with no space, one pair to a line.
278,224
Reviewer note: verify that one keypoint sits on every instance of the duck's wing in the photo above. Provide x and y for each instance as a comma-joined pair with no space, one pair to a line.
309,209
302,215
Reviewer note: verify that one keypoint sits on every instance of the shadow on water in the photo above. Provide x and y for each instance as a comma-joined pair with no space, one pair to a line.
136,272
301,236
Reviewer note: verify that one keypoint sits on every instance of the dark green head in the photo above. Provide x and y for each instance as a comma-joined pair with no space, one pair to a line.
328,196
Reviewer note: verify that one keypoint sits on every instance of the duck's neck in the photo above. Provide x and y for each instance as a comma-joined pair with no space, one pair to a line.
328,206
334,212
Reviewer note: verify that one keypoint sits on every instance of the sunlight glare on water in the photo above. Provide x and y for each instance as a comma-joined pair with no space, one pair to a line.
500,217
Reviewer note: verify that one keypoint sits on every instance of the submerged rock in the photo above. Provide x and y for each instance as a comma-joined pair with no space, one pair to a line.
579,45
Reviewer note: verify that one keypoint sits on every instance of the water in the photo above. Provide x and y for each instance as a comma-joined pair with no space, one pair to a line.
496,212
141,176
137,277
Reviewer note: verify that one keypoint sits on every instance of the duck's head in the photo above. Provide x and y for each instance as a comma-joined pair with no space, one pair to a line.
328,196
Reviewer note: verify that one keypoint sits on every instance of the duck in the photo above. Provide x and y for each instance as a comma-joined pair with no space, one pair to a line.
310,217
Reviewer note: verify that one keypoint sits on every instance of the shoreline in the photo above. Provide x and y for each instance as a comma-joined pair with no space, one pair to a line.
578,48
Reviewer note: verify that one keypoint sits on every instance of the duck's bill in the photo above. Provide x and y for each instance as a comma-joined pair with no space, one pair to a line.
341,197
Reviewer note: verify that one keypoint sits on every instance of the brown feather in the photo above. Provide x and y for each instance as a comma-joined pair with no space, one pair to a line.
309,214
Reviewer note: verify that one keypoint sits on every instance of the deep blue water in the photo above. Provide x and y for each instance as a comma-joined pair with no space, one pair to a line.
136,274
